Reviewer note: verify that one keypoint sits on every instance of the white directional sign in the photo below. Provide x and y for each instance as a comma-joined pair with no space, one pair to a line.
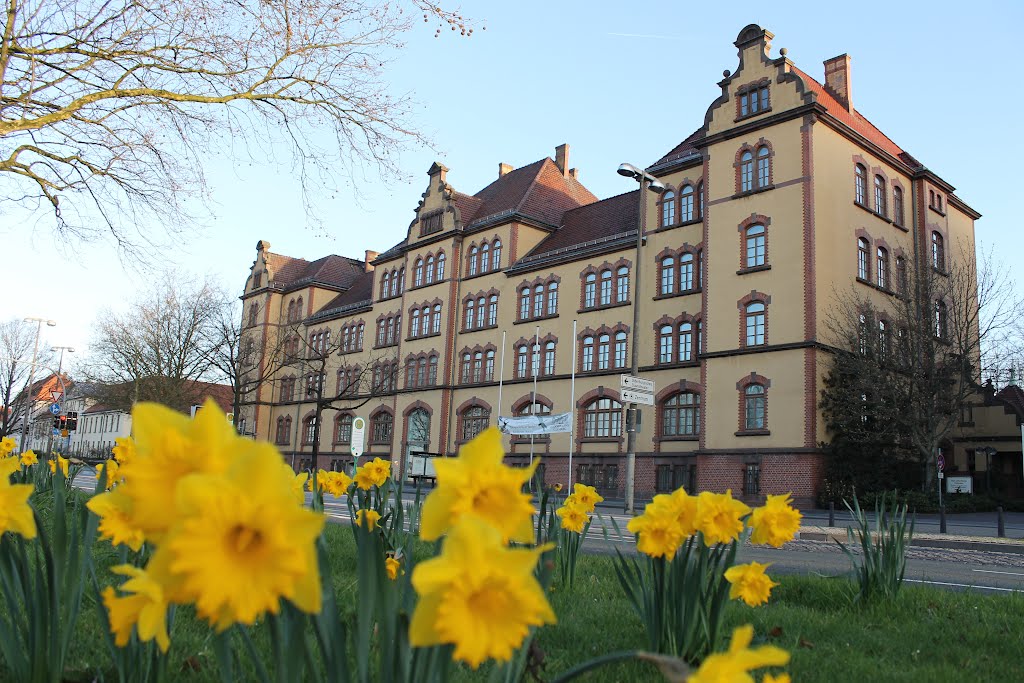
358,436
637,384
631,396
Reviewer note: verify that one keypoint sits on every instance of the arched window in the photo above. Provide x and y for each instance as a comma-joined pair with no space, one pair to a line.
524,303
436,323
680,415
666,344
606,287
394,283
938,252
384,280
380,427
417,273
469,317
620,349
401,279
425,311
587,355
521,352
485,257
492,310
496,255
686,203
883,339
343,429
882,268
746,172
474,420
940,320
685,342
755,246
755,323
254,312
754,407
284,430
535,360
538,301
897,205
418,425
410,373
478,366
309,430
382,330
862,258
432,370
552,298
481,312
440,266
860,184
549,358
668,208
622,284
686,272
429,268
880,195
467,366
667,277
602,419
603,351
590,291
764,169
414,324
391,330
489,366
473,253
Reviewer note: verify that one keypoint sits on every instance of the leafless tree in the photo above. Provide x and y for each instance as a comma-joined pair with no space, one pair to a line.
158,349
109,108
904,369
17,339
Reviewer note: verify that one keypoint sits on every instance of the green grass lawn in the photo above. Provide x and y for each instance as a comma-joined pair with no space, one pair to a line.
924,635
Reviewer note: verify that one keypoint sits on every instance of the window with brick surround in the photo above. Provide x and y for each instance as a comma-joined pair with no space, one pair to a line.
602,418
417,273
343,429
752,479
668,478
440,266
755,321
675,341
472,262
473,420
288,389
485,257
284,430
309,430
590,291
602,477
254,312
680,415
938,252
880,194
753,100
863,258
686,203
755,238
860,184
746,172
668,208
882,267
897,206
587,354
667,276
428,269
381,426
754,407
496,255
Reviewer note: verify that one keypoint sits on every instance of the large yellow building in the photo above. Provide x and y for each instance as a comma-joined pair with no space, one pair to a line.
784,196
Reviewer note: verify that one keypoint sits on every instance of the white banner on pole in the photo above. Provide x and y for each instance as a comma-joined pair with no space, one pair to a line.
536,424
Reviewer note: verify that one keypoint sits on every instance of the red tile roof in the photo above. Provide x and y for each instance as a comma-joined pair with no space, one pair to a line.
338,271
361,290
612,216
684,148
538,190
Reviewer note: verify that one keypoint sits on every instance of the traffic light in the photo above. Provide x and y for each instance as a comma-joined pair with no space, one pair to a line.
56,421
63,419
72,421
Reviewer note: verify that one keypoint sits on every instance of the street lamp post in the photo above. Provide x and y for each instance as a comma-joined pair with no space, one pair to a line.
60,368
31,376
647,182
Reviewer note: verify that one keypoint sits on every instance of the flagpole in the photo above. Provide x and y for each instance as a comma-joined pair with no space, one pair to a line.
534,353
572,403
501,372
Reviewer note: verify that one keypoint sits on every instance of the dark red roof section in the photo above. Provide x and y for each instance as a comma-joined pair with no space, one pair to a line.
538,190
361,290
681,150
333,270
605,218
223,394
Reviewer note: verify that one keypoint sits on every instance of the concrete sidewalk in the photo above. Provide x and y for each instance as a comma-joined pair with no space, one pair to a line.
925,540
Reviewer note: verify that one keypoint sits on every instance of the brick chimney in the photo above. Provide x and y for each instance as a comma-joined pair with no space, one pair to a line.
505,169
370,255
562,158
574,173
837,80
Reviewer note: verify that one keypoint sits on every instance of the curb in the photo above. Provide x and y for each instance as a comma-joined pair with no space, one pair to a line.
1011,546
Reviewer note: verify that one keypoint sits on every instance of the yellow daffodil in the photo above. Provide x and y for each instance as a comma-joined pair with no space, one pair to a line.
478,595
365,479
111,468
734,666
145,608
124,449
168,447
309,480
379,469
776,523
29,458
720,517
114,510
15,512
63,462
586,496
749,583
7,445
685,507
391,566
242,542
477,482
298,483
557,488
658,531
334,483
371,517
574,518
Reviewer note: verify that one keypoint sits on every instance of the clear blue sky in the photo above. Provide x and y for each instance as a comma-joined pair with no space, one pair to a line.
618,82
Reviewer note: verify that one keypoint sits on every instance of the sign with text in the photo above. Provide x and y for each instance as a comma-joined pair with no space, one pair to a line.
959,485
637,384
641,397
358,436
536,424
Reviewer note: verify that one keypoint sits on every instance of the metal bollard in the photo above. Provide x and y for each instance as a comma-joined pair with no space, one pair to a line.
831,514
942,519
1000,523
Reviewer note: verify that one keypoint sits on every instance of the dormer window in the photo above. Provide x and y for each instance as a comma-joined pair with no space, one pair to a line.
430,224
753,100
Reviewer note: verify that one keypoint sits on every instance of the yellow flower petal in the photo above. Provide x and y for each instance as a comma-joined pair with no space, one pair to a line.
749,583
15,512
